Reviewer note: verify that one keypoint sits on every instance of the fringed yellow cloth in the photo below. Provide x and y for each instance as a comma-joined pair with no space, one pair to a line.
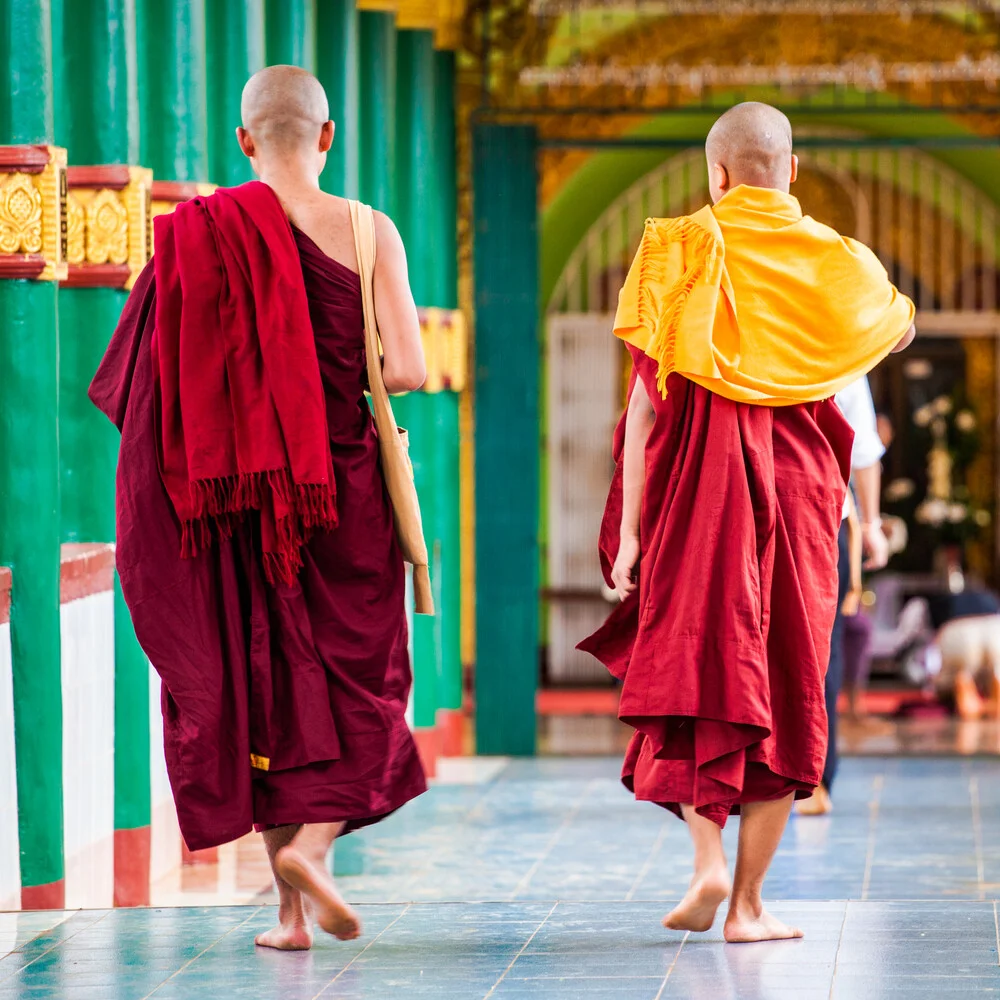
758,303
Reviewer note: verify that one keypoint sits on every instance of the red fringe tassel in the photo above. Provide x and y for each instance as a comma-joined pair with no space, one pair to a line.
224,502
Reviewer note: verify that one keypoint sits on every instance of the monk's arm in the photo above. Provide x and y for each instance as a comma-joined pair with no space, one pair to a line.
907,339
403,365
638,424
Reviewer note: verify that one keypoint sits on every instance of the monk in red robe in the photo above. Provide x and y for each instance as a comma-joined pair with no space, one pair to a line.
256,545
720,535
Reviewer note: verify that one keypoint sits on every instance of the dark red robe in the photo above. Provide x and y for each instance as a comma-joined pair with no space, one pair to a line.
311,678
723,649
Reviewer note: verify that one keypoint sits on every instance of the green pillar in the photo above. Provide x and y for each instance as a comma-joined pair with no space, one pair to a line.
291,33
447,437
507,435
29,481
377,38
337,68
99,124
415,192
173,98
235,51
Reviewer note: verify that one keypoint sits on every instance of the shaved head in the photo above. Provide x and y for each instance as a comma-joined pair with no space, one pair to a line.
284,108
752,142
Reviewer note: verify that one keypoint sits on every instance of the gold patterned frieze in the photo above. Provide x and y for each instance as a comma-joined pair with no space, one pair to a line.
108,224
32,212
446,348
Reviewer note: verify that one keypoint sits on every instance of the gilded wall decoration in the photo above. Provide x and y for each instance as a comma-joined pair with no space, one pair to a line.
108,225
20,215
32,212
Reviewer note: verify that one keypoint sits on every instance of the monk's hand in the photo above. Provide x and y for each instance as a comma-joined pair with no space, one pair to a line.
623,573
875,545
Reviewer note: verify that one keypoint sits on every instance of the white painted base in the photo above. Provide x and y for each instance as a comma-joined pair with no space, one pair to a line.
10,864
165,835
88,690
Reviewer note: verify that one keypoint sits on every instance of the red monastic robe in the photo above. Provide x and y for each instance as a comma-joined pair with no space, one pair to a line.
283,703
722,650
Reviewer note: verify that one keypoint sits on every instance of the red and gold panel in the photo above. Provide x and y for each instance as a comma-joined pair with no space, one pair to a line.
32,212
108,224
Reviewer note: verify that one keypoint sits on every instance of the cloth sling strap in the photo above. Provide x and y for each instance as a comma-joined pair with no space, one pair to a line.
393,441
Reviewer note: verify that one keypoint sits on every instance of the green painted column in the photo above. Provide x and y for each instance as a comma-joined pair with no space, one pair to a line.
173,99
291,33
29,481
337,66
416,191
98,122
377,43
507,434
447,437
235,51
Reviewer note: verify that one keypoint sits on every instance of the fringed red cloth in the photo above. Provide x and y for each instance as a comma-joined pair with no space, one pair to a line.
241,416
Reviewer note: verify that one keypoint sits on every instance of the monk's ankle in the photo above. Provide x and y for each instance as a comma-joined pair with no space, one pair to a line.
746,905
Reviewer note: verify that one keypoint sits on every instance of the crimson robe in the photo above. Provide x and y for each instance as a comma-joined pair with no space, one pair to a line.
312,678
723,648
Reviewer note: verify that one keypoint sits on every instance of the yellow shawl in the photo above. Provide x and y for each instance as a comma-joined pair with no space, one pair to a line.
758,303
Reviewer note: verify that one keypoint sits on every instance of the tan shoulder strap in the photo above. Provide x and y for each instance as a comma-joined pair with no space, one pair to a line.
363,222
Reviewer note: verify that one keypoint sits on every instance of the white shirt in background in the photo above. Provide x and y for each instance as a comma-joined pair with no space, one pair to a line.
856,404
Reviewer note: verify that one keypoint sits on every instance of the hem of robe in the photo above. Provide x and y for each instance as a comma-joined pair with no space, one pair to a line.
671,783
314,793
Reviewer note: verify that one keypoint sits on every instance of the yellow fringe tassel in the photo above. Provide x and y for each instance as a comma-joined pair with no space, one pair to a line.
660,313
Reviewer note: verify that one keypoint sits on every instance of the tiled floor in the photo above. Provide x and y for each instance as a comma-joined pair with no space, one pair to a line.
544,880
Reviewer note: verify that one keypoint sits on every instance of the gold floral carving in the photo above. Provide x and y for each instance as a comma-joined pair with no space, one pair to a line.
32,215
140,220
20,215
76,230
107,229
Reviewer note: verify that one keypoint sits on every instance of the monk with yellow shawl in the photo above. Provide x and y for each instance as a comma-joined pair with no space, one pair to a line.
720,535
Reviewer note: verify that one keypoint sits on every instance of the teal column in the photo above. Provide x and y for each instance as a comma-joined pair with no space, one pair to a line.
173,99
507,435
415,193
291,33
98,122
377,42
447,437
29,481
235,51
337,66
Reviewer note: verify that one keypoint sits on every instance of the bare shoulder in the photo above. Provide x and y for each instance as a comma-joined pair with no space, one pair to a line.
390,243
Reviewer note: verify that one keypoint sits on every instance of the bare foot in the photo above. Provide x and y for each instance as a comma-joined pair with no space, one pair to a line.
696,911
293,937
745,926
818,804
311,878
968,701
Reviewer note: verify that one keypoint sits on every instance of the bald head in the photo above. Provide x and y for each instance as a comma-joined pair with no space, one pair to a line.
284,108
752,143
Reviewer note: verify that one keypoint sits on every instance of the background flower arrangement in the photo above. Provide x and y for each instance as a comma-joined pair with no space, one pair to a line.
949,433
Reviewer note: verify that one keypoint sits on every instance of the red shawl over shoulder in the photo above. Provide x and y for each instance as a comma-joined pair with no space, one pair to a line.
240,407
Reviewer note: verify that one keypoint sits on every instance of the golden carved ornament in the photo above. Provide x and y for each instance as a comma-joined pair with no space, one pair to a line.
107,229
20,215
108,224
32,212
